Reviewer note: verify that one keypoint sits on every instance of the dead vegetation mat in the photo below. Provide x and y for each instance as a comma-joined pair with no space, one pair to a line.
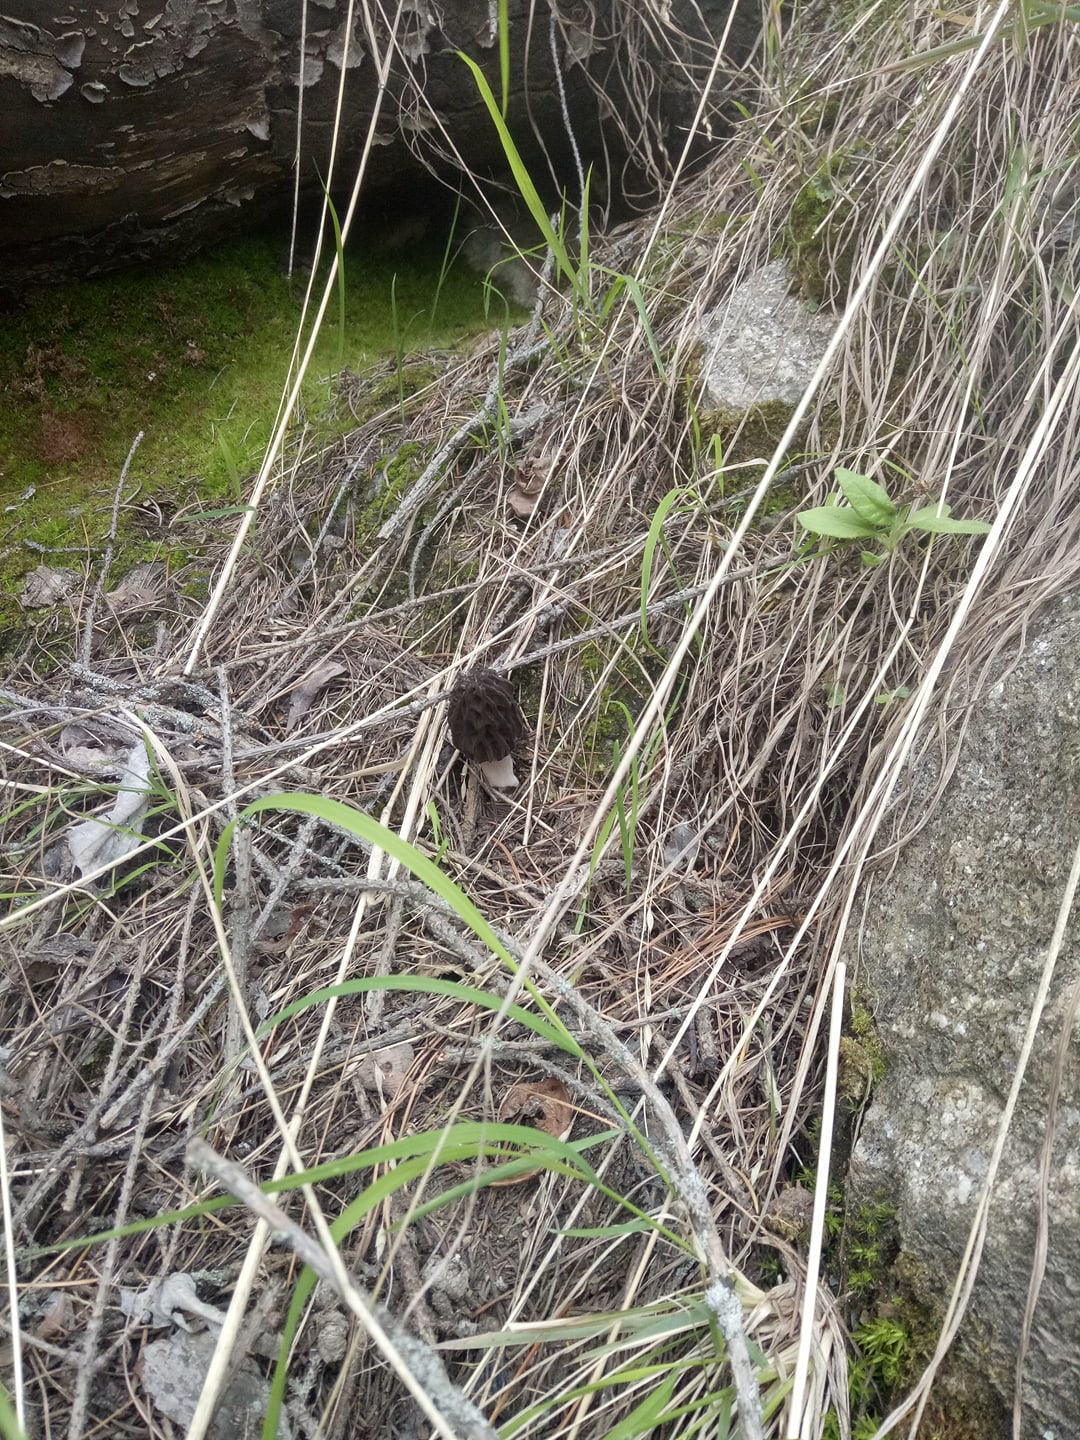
501,516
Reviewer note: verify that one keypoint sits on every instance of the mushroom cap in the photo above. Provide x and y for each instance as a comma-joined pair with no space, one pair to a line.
485,719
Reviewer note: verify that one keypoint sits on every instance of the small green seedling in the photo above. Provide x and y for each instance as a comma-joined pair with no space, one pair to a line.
869,514
442,840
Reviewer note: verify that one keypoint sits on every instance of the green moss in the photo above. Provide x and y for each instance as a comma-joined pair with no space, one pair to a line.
196,358
865,1034
182,354
814,242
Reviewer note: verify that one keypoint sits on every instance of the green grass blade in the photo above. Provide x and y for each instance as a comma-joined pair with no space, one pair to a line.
522,177
643,314
354,821
386,1185
656,527
644,1418
232,468
504,53
444,267
426,985
345,817
9,1421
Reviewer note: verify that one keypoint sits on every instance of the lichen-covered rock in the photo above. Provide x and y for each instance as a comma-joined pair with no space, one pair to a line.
949,959
762,342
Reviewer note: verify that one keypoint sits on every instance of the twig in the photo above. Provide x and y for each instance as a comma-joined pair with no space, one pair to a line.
12,1280
720,1295
425,1365
88,1355
87,636
241,895
436,467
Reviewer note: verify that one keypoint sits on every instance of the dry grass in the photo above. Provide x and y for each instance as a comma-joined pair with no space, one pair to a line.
711,974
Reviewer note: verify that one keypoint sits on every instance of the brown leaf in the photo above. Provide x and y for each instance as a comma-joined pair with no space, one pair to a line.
308,688
141,592
543,1104
47,585
386,1071
57,1317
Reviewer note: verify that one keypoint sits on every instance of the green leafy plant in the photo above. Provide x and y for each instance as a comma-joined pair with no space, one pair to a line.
442,841
870,515
886,1345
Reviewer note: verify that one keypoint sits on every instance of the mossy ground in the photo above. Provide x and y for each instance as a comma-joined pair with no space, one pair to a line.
196,359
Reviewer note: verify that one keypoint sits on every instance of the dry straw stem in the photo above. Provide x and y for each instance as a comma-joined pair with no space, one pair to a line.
288,408
12,1278
705,979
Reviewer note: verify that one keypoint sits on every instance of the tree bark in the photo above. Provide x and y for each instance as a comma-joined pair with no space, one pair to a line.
135,129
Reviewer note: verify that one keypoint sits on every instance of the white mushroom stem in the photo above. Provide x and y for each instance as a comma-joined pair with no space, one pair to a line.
499,773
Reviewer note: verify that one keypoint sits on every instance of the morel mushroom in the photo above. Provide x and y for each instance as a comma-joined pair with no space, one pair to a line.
486,723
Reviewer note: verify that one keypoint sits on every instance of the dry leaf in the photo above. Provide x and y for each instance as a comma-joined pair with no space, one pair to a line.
46,585
141,592
167,1301
57,1317
105,842
386,1071
93,752
172,1372
543,1104
308,688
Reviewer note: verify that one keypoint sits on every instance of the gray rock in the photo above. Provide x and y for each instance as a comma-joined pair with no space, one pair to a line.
949,962
762,343
173,1371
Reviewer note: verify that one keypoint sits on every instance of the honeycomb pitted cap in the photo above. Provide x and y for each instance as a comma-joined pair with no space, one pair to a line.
486,722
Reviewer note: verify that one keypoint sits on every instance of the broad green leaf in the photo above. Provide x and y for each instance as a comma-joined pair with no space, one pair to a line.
866,497
937,521
836,521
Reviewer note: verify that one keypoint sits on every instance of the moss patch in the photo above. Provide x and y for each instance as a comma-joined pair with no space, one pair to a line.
196,358
818,217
